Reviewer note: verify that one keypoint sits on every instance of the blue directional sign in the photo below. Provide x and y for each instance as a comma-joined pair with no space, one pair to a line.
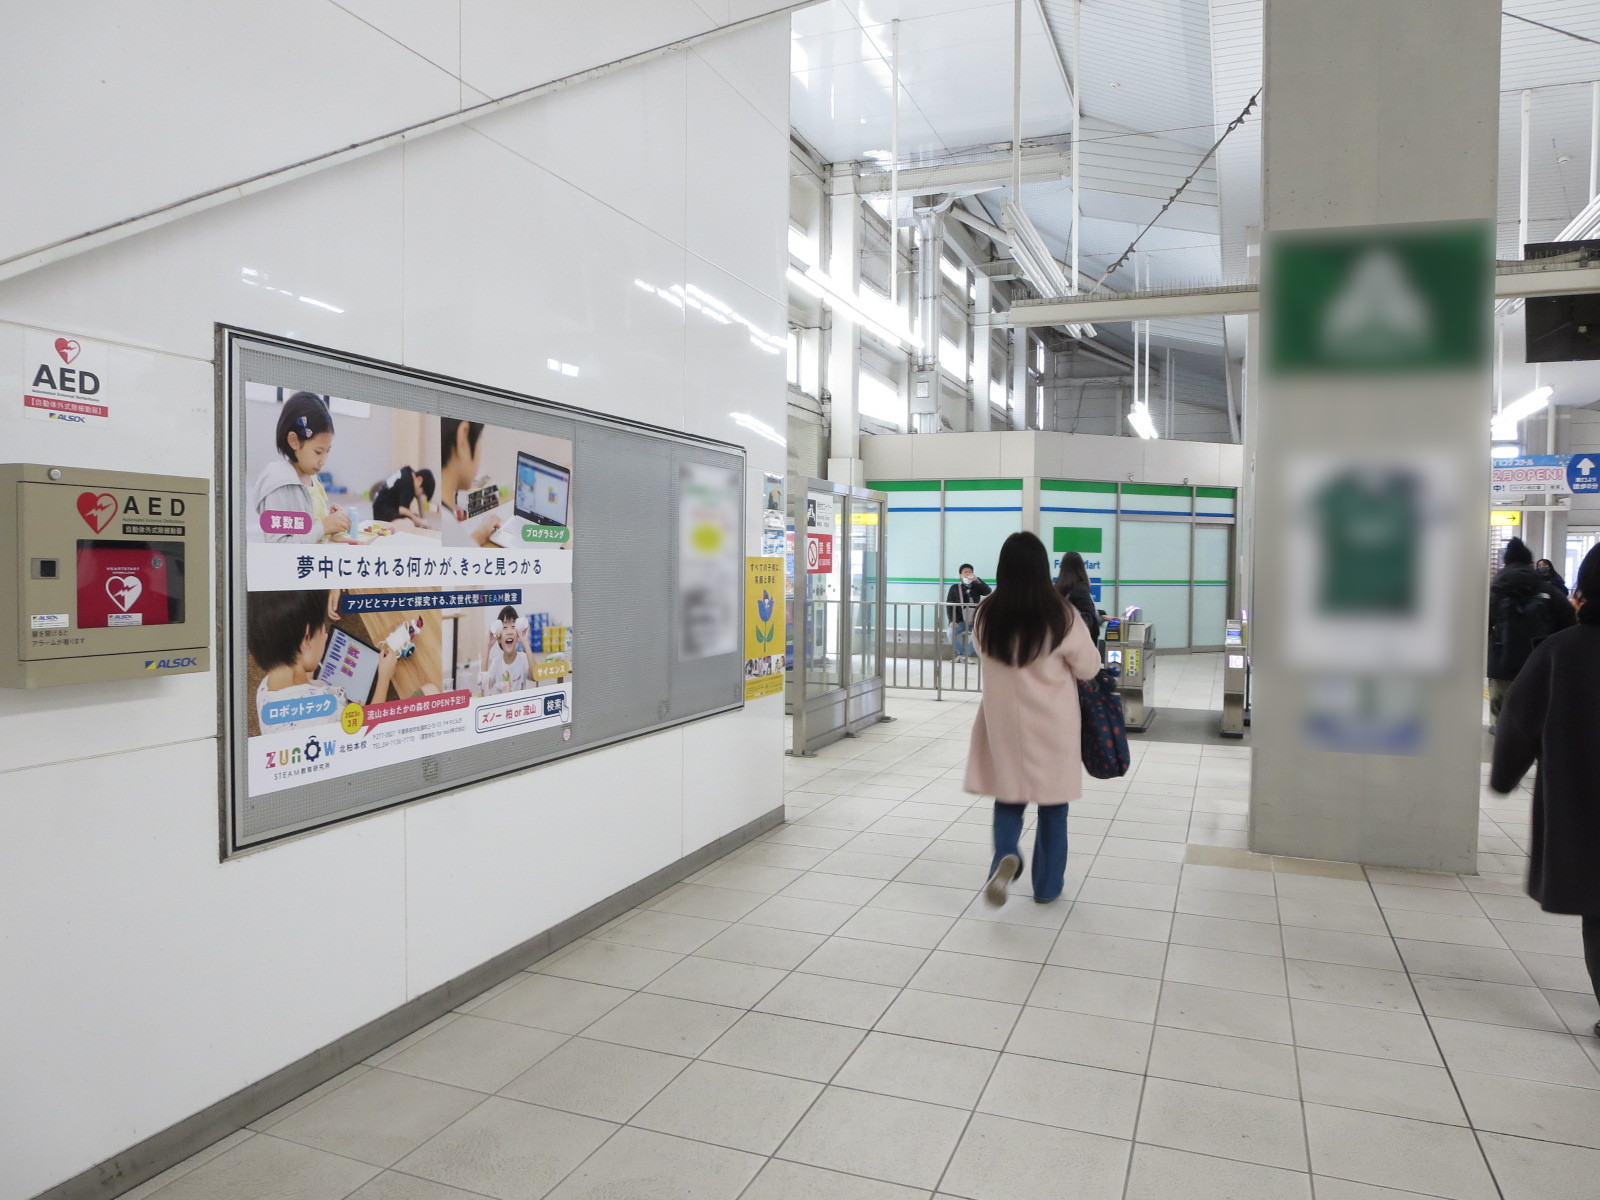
1583,473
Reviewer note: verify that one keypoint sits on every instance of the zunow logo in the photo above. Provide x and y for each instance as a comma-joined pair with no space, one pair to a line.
169,664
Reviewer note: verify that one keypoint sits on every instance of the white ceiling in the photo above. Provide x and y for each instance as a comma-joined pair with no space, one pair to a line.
1160,79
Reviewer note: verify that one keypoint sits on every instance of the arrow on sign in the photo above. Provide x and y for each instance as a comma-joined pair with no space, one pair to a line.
1585,466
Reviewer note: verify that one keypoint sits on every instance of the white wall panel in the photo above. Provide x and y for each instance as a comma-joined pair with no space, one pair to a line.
489,867
507,45
144,979
732,58
330,237
725,369
570,133
508,266
120,108
730,195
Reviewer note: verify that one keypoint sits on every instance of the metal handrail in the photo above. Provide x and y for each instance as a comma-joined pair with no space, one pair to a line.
919,654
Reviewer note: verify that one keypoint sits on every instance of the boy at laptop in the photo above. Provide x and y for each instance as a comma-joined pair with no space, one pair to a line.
507,661
287,634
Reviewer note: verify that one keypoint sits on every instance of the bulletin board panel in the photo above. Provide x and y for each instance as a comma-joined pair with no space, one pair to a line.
366,654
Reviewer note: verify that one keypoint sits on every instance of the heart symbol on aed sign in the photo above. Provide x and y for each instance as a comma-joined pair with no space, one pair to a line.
68,349
97,509
124,590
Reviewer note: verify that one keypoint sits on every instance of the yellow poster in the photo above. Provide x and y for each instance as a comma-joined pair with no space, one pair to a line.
763,627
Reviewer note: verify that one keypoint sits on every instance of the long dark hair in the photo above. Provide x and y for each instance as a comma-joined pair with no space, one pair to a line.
1072,573
1025,616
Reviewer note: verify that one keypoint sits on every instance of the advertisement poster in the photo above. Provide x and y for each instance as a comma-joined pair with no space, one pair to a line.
763,617
772,516
819,535
409,585
708,561
65,379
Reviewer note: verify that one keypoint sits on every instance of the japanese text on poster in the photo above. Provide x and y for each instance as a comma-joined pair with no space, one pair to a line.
763,618
409,585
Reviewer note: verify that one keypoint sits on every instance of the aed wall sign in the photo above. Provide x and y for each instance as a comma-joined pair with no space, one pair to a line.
64,379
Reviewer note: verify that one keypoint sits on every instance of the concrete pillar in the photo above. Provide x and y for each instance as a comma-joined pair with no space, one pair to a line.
1376,317
981,342
844,343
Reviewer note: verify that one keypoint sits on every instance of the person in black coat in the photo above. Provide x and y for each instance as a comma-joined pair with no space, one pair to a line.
1072,581
961,605
1546,570
1523,610
1552,717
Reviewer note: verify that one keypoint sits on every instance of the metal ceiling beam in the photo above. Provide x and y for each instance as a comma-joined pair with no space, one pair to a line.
1510,280
1043,164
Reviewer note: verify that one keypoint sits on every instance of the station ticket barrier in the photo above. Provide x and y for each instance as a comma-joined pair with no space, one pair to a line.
1131,655
1236,679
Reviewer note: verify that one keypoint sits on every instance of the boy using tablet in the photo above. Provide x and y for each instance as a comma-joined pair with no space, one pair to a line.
287,634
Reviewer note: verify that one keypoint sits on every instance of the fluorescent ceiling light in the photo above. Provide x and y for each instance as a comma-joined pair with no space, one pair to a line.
1139,418
1034,260
1505,451
1503,428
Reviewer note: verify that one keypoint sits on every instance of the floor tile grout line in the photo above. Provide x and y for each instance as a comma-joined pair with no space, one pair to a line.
1433,1034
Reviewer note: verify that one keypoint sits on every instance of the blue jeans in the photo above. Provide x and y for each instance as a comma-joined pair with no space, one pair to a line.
961,639
1049,844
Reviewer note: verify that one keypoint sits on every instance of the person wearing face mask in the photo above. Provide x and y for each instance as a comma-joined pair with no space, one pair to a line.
1546,570
961,602
1551,718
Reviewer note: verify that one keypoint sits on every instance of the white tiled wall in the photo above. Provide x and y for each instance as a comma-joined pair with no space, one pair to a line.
143,979
120,108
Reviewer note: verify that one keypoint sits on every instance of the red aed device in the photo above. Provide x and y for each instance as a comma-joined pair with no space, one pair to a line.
123,584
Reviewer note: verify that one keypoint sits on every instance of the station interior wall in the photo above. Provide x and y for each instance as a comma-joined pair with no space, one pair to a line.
144,979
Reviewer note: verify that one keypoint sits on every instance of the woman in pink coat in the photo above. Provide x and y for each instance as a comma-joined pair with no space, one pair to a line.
1025,740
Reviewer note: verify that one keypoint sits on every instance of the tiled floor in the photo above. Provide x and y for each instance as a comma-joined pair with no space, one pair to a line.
1188,681
830,1014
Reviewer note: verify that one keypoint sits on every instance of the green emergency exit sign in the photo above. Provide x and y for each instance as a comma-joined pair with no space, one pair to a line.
1381,299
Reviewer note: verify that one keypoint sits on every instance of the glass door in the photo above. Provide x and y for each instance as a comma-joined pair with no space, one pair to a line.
866,556
1213,559
1154,575
819,560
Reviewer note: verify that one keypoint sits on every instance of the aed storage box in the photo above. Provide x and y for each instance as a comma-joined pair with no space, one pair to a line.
103,575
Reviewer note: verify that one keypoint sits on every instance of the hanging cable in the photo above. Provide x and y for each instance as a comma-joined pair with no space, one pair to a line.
1173,199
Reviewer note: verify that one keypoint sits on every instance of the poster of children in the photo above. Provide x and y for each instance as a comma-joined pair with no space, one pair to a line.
409,584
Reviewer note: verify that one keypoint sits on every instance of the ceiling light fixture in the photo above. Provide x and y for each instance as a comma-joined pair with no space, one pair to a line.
1038,266
1139,418
1503,427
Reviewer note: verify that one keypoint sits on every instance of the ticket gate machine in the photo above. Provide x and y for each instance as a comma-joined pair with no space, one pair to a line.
1236,679
1131,653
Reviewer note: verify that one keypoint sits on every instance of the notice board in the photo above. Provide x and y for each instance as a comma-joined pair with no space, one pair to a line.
428,583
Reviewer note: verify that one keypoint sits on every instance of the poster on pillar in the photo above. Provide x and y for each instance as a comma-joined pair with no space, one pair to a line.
819,535
764,661
409,584
772,515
